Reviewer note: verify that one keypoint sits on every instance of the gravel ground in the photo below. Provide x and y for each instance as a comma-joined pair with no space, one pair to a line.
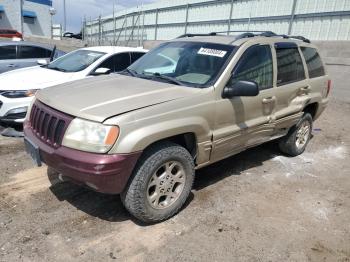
256,206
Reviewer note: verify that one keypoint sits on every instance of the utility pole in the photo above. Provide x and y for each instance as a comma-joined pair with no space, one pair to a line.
64,17
114,25
21,15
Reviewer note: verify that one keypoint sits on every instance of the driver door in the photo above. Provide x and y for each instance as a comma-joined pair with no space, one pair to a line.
242,122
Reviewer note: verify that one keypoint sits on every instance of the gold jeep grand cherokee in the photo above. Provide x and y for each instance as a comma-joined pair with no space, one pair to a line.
186,104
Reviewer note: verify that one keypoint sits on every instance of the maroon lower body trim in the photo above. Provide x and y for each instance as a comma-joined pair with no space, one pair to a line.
102,172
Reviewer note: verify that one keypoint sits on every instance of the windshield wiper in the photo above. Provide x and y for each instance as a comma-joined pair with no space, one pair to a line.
167,78
131,72
57,69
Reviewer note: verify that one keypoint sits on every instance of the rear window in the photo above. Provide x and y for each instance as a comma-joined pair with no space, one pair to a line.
27,52
8,52
313,62
289,65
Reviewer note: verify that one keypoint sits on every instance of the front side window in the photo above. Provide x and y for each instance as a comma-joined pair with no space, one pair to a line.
108,63
8,52
31,52
255,65
193,64
135,56
289,66
121,61
75,61
313,62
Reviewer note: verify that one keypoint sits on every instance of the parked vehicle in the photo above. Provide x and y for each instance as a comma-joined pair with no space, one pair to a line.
143,135
72,35
18,87
9,33
20,54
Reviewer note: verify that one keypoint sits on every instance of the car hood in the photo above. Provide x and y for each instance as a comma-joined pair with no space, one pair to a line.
103,97
32,78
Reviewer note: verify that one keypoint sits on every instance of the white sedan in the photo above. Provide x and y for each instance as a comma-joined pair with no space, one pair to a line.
18,87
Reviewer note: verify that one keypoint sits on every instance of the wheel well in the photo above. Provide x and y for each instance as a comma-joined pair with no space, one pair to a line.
187,140
311,109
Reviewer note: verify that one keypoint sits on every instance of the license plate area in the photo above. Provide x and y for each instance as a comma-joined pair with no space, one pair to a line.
33,151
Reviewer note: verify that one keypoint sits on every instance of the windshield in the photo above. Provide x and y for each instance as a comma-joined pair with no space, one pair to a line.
75,61
187,63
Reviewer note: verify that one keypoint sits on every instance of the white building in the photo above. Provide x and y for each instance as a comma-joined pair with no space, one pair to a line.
162,20
36,16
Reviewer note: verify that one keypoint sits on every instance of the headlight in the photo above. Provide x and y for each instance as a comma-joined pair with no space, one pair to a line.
30,109
90,136
19,93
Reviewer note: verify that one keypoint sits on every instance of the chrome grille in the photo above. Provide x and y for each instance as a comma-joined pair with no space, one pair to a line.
48,124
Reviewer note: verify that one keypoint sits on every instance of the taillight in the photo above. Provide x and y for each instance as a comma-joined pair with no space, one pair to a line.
329,85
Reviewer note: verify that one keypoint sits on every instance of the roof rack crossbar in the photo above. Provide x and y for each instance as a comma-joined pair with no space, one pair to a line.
304,39
193,35
246,34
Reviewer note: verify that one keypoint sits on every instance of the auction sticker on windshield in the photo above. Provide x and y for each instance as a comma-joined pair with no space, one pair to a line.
212,52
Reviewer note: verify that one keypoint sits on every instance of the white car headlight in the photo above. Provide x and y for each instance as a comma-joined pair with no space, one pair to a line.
90,136
19,93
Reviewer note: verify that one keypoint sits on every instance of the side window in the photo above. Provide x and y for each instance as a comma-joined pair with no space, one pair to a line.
31,52
108,63
8,52
135,56
313,62
121,61
256,65
289,66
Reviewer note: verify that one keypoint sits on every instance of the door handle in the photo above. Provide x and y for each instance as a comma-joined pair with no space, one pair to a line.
11,65
269,100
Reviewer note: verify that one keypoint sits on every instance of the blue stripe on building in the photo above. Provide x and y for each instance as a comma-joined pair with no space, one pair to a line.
43,2
2,9
30,14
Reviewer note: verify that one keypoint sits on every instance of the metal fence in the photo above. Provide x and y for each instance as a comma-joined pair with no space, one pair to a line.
315,19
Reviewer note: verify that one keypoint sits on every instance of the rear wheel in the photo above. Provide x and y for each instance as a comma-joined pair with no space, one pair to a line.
295,142
161,183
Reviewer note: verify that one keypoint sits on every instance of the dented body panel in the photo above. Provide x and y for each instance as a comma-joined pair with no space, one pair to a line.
149,111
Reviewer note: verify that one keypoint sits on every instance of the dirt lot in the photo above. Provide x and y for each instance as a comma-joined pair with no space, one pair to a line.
256,206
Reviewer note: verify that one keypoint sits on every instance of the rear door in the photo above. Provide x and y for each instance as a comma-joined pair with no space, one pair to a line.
28,55
292,86
7,58
318,78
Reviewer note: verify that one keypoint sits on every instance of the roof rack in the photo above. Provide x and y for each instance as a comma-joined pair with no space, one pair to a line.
300,38
193,35
247,34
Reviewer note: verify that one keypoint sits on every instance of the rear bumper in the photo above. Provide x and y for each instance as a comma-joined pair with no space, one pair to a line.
101,172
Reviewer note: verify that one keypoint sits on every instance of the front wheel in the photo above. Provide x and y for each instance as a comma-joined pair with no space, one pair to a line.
161,183
295,142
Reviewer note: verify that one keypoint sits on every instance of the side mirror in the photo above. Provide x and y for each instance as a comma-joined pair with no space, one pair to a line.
101,71
241,88
42,62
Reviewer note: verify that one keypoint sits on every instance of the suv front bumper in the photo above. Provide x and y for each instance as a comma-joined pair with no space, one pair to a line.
102,172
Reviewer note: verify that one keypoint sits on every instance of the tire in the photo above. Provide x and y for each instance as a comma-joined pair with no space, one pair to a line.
289,144
149,199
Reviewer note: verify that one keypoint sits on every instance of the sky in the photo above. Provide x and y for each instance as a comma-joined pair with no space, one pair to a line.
77,9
